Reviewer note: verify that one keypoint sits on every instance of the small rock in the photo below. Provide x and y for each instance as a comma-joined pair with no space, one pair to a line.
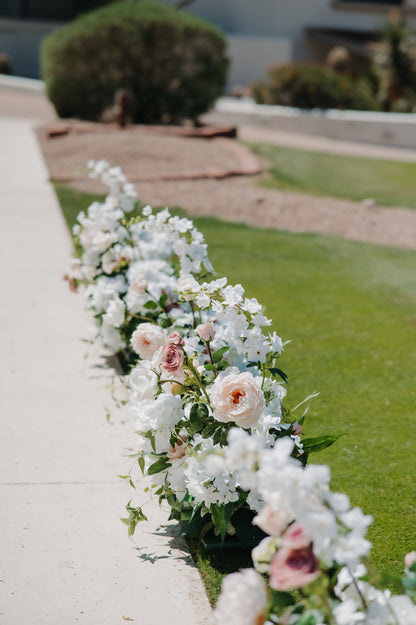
369,202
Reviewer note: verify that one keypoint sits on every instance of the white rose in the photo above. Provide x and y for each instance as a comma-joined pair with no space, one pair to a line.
115,313
237,397
143,381
147,339
243,599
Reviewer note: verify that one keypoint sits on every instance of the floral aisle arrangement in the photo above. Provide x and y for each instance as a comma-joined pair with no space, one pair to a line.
212,370
214,435
315,545
200,358
129,266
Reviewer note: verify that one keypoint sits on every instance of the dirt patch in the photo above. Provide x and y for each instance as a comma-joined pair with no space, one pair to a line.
200,176
148,154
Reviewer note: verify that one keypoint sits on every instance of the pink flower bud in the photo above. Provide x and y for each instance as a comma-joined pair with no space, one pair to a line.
409,559
179,450
139,286
175,339
296,428
295,537
206,331
271,521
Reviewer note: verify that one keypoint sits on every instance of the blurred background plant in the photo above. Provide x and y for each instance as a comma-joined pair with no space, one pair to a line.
387,82
396,66
171,64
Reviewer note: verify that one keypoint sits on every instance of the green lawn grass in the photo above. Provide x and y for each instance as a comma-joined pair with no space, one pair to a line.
350,311
390,183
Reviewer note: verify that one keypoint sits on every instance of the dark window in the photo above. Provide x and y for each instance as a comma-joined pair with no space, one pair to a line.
47,9
391,2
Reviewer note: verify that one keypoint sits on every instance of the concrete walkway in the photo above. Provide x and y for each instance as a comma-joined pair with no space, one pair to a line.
65,555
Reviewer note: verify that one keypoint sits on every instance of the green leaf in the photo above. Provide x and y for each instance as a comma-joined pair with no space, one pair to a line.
163,300
216,356
141,462
221,516
318,443
282,599
210,429
307,619
198,417
275,371
150,305
158,466
135,516
150,435
222,365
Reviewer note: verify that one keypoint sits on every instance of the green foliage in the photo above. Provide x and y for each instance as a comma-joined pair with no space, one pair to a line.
171,63
308,85
135,516
349,309
397,67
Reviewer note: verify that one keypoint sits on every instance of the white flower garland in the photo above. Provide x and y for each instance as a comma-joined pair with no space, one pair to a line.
212,432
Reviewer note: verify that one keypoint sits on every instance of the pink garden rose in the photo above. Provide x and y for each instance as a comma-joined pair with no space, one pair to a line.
147,339
172,357
293,568
237,397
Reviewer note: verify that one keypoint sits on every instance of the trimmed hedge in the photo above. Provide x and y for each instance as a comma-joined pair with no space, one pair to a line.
173,64
308,85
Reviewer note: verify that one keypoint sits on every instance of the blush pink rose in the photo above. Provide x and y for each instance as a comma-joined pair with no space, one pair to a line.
293,568
295,537
139,286
237,397
179,450
147,339
271,521
206,331
172,357
409,559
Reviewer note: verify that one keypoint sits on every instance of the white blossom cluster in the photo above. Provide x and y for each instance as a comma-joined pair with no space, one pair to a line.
146,283
239,396
207,399
124,265
312,532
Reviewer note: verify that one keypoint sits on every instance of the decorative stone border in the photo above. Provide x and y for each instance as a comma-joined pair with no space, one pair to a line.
387,129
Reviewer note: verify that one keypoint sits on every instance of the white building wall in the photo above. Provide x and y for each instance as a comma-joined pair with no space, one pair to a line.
21,41
251,56
262,33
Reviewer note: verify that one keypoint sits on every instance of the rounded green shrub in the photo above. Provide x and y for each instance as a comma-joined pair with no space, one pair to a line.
172,64
308,85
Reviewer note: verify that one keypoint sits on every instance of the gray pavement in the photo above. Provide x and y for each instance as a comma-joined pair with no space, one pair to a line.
65,555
